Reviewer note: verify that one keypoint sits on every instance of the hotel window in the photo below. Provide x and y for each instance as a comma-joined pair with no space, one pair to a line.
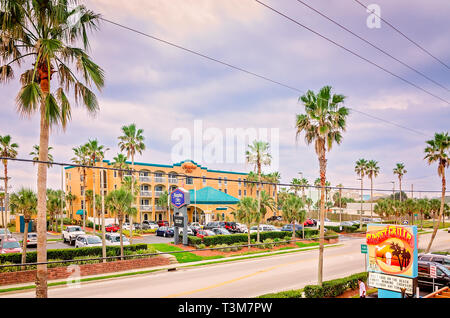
81,190
240,192
189,180
204,180
115,187
220,181
82,205
245,193
225,181
226,191
115,174
239,181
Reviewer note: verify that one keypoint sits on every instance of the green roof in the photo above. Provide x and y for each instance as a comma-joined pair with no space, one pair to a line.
209,195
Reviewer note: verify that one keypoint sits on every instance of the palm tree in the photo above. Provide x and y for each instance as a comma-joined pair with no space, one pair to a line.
120,162
258,155
24,202
246,213
35,154
295,183
163,201
361,170
7,150
129,184
400,170
323,123
119,202
293,211
372,172
266,202
81,158
41,37
71,197
132,141
438,151
424,206
2,207
54,205
252,178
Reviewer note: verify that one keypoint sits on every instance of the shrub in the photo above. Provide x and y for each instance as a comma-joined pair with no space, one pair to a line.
334,288
194,240
268,243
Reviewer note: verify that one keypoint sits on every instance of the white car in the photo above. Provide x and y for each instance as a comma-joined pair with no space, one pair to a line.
71,233
242,228
32,239
87,241
151,225
189,231
114,239
263,228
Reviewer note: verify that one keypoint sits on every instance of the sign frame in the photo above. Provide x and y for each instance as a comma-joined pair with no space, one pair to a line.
412,281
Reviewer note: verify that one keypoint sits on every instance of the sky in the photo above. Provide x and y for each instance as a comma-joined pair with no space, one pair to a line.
164,90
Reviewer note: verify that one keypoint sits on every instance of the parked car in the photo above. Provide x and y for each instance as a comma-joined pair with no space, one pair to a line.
241,228
32,239
189,231
444,260
114,239
274,218
150,224
195,227
309,222
203,233
71,233
112,228
4,233
88,241
288,227
220,231
10,245
263,228
425,281
163,223
165,231
139,226
346,223
231,227
212,225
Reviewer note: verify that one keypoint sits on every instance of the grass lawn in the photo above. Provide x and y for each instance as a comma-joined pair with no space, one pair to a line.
185,257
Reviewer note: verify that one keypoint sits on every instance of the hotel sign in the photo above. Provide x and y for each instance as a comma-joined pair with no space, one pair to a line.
392,283
178,198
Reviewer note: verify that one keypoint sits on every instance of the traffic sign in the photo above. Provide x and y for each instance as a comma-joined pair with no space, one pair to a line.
433,271
363,248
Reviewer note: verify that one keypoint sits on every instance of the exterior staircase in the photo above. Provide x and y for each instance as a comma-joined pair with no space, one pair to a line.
441,293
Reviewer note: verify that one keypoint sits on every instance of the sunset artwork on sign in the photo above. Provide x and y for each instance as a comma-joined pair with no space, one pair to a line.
391,249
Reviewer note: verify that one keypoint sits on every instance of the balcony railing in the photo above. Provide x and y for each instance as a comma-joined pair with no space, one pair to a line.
173,180
146,193
145,179
146,208
159,208
158,193
160,179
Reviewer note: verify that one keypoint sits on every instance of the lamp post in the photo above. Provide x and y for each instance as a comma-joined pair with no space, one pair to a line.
360,217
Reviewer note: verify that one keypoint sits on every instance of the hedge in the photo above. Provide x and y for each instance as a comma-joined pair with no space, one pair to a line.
70,253
334,288
236,238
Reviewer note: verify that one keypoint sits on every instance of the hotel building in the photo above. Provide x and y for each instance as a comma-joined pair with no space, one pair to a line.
211,199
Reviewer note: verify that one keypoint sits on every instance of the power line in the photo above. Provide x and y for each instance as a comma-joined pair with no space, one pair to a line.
130,170
243,70
401,33
352,52
373,45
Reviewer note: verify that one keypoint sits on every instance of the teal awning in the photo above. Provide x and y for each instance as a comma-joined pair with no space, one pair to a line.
79,212
222,208
209,195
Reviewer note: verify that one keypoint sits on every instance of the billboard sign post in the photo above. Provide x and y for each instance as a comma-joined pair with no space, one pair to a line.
180,199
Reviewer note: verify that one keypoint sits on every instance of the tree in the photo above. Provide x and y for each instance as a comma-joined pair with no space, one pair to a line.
82,159
54,205
437,150
71,197
119,202
258,154
132,187
400,171
323,124
293,211
246,212
252,178
361,170
41,37
163,201
24,202
132,141
120,162
372,172
7,150
266,202
35,154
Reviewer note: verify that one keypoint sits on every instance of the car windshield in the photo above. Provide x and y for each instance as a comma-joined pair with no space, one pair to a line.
74,229
94,240
209,233
2,231
11,245
445,270
32,235
117,238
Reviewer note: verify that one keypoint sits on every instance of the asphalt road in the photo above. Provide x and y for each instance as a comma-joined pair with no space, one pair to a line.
246,278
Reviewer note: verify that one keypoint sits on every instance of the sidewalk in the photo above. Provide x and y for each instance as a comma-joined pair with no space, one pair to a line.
170,267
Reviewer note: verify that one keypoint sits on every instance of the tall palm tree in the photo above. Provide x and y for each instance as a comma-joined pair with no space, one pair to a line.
437,150
400,171
119,202
132,141
258,154
163,201
2,206
361,171
293,211
82,158
372,172
323,123
120,162
7,150
266,203
129,184
295,184
246,211
24,202
71,197
42,37
252,178
35,154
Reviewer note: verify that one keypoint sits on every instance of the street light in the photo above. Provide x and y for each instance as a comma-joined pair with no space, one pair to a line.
360,218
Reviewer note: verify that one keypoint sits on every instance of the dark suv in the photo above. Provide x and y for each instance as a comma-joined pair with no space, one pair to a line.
212,225
425,280
231,227
436,258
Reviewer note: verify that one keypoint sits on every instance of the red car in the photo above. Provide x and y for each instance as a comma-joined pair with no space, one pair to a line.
309,222
112,228
10,245
163,223
202,233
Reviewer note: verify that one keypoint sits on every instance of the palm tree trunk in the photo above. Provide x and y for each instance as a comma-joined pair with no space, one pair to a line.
103,217
371,197
24,247
441,212
84,200
360,216
323,166
259,200
41,274
121,238
93,197
5,212
248,235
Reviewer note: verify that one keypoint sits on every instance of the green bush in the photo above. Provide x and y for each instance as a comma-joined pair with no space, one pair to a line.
334,288
194,240
239,238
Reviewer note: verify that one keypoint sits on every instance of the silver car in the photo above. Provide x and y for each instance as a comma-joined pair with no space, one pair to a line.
87,241
114,239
